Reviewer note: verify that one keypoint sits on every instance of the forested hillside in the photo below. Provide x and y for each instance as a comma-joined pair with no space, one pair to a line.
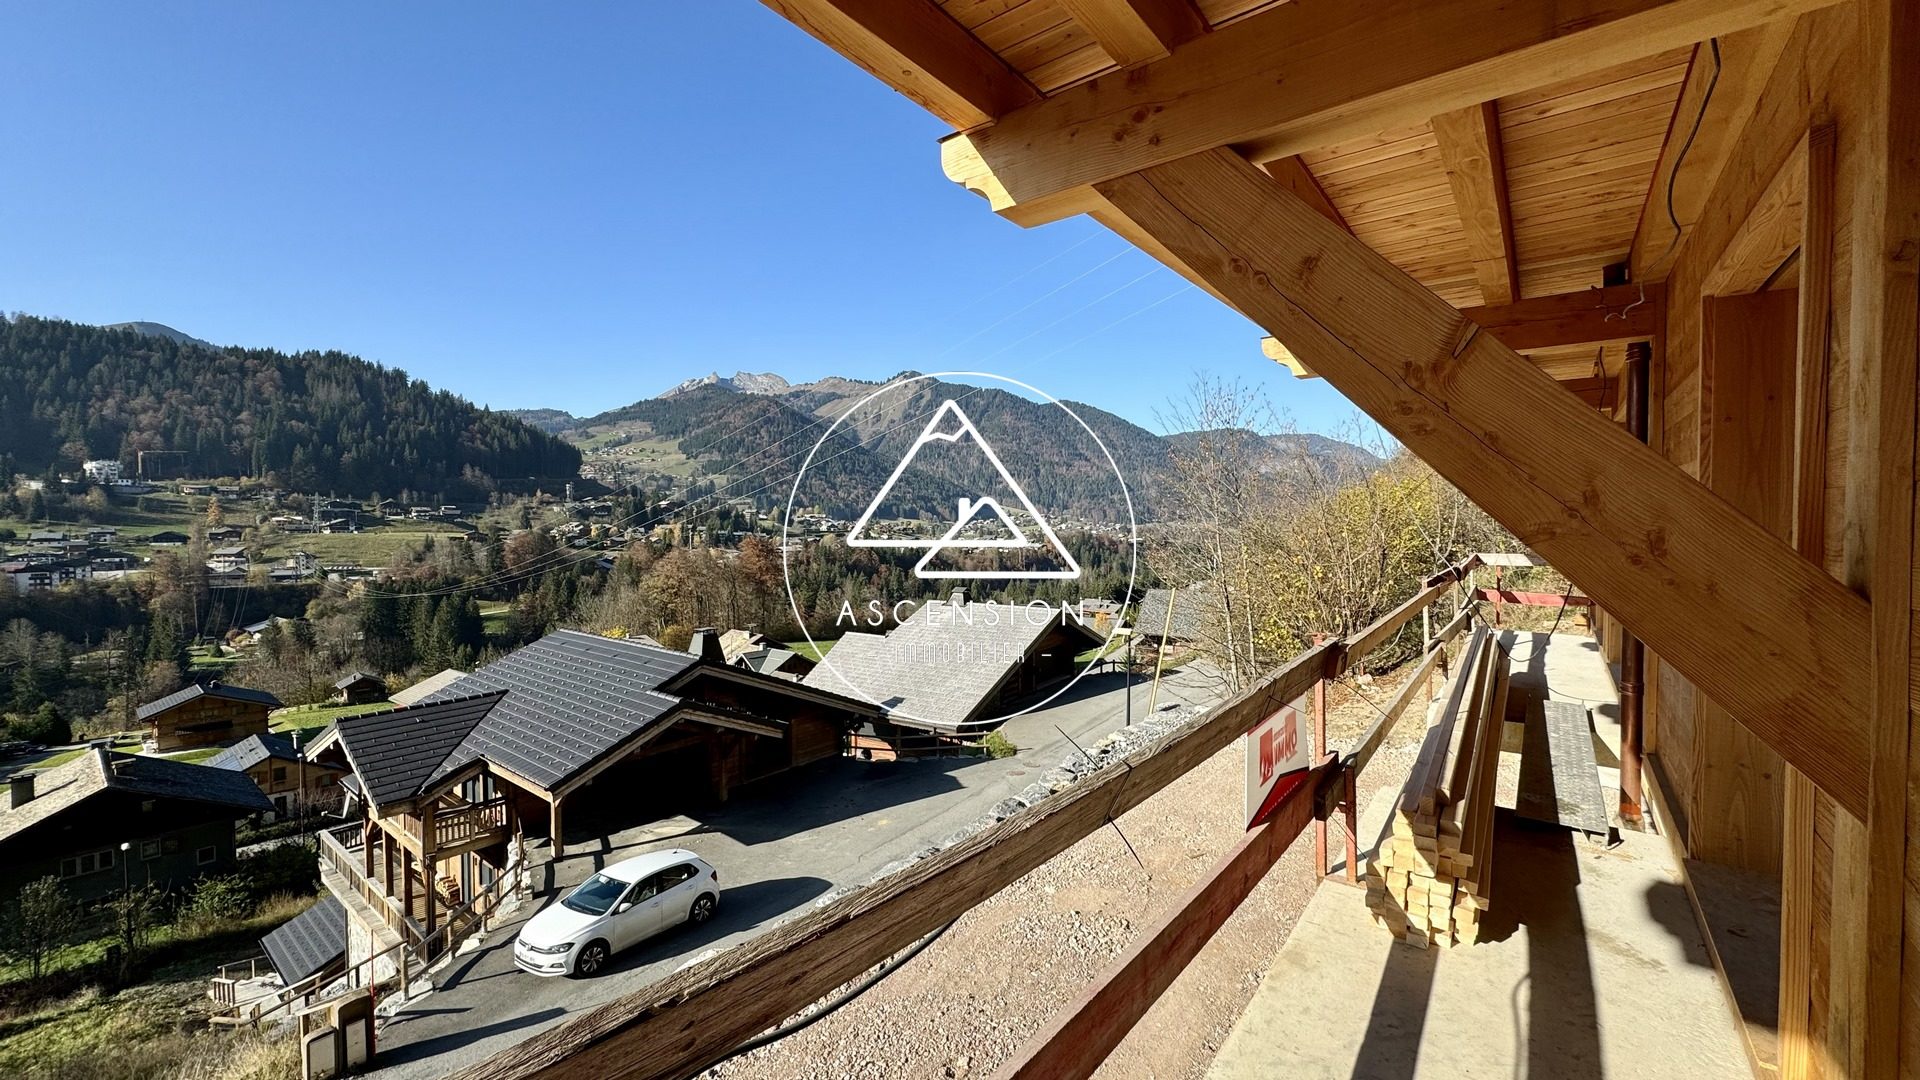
314,420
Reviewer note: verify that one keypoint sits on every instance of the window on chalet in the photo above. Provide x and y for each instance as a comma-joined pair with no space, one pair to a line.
206,856
91,862
279,774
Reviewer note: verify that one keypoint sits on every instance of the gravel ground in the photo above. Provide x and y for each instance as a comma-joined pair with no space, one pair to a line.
968,1002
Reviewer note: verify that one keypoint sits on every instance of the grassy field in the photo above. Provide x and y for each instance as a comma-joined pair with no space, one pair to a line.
313,718
375,547
810,650
154,1029
493,616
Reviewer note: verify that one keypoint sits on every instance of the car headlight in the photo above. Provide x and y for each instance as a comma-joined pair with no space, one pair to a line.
547,950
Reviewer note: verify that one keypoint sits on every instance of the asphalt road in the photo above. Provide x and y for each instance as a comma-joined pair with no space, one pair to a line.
778,845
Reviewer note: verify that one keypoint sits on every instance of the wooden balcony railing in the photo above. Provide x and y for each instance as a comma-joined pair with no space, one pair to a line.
457,826
341,851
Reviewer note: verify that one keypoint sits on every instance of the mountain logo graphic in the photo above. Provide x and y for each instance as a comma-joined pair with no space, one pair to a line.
950,424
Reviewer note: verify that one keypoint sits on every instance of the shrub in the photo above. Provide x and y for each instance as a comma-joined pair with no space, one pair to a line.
997,745
288,868
214,902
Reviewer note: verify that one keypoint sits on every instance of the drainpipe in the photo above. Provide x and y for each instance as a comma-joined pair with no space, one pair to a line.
1632,653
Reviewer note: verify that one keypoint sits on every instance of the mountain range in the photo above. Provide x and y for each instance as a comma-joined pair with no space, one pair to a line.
749,433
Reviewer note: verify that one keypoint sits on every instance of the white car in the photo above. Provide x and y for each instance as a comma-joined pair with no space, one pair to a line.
618,907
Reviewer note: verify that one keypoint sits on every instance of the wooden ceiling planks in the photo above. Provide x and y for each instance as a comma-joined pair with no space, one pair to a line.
1037,38
1393,192
1580,156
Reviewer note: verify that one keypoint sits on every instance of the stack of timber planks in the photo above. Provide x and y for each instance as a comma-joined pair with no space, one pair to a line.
1428,881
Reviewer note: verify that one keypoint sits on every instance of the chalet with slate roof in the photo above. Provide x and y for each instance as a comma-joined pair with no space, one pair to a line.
174,818
359,688
955,665
447,789
288,779
206,714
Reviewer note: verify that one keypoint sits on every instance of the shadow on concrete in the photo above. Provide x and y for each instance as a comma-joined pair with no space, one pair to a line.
453,1040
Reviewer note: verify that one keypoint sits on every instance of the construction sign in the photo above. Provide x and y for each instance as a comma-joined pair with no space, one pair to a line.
1276,747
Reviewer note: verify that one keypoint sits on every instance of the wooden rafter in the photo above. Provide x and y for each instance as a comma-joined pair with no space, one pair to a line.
1305,74
1607,316
1746,59
1469,141
1134,31
916,48
1744,617
1299,179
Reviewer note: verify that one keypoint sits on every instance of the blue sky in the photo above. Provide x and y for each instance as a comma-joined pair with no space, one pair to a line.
570,206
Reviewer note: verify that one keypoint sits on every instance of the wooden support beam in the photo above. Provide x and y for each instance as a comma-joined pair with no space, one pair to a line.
1728,604
1610,316
1306,74
1746,59
1798,811
918,49
693,1018
1469,142
1882,989
1133,31
1298,178
1079,1037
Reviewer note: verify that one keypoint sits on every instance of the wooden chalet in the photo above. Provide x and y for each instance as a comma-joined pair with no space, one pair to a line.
1640,277
206,714
447,790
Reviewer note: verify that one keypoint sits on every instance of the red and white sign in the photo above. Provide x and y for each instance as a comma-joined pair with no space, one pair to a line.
1276,747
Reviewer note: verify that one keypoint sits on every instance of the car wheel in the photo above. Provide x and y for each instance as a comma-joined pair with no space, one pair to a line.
702,909
593,957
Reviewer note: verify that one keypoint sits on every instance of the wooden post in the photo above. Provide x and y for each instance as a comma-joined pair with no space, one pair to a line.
428,873
553,824
406,882
1320,753
1632,653
366,847
1352,814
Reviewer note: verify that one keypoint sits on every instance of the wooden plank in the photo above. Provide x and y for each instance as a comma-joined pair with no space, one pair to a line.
1534,599
1614,315
916,48
1746,60
1790,658
690,1020
1298,178
1080,1036
1768,237
1133,31
1376,633
1797,1057
1415,689
1885,332
1308,74
1477,171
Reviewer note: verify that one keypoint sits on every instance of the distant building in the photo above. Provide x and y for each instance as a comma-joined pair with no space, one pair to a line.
103,471
275,765
427,687
168,539
359,688
175,819
42,574
203,715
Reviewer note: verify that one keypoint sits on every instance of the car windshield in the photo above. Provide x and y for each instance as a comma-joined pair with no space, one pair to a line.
595,895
